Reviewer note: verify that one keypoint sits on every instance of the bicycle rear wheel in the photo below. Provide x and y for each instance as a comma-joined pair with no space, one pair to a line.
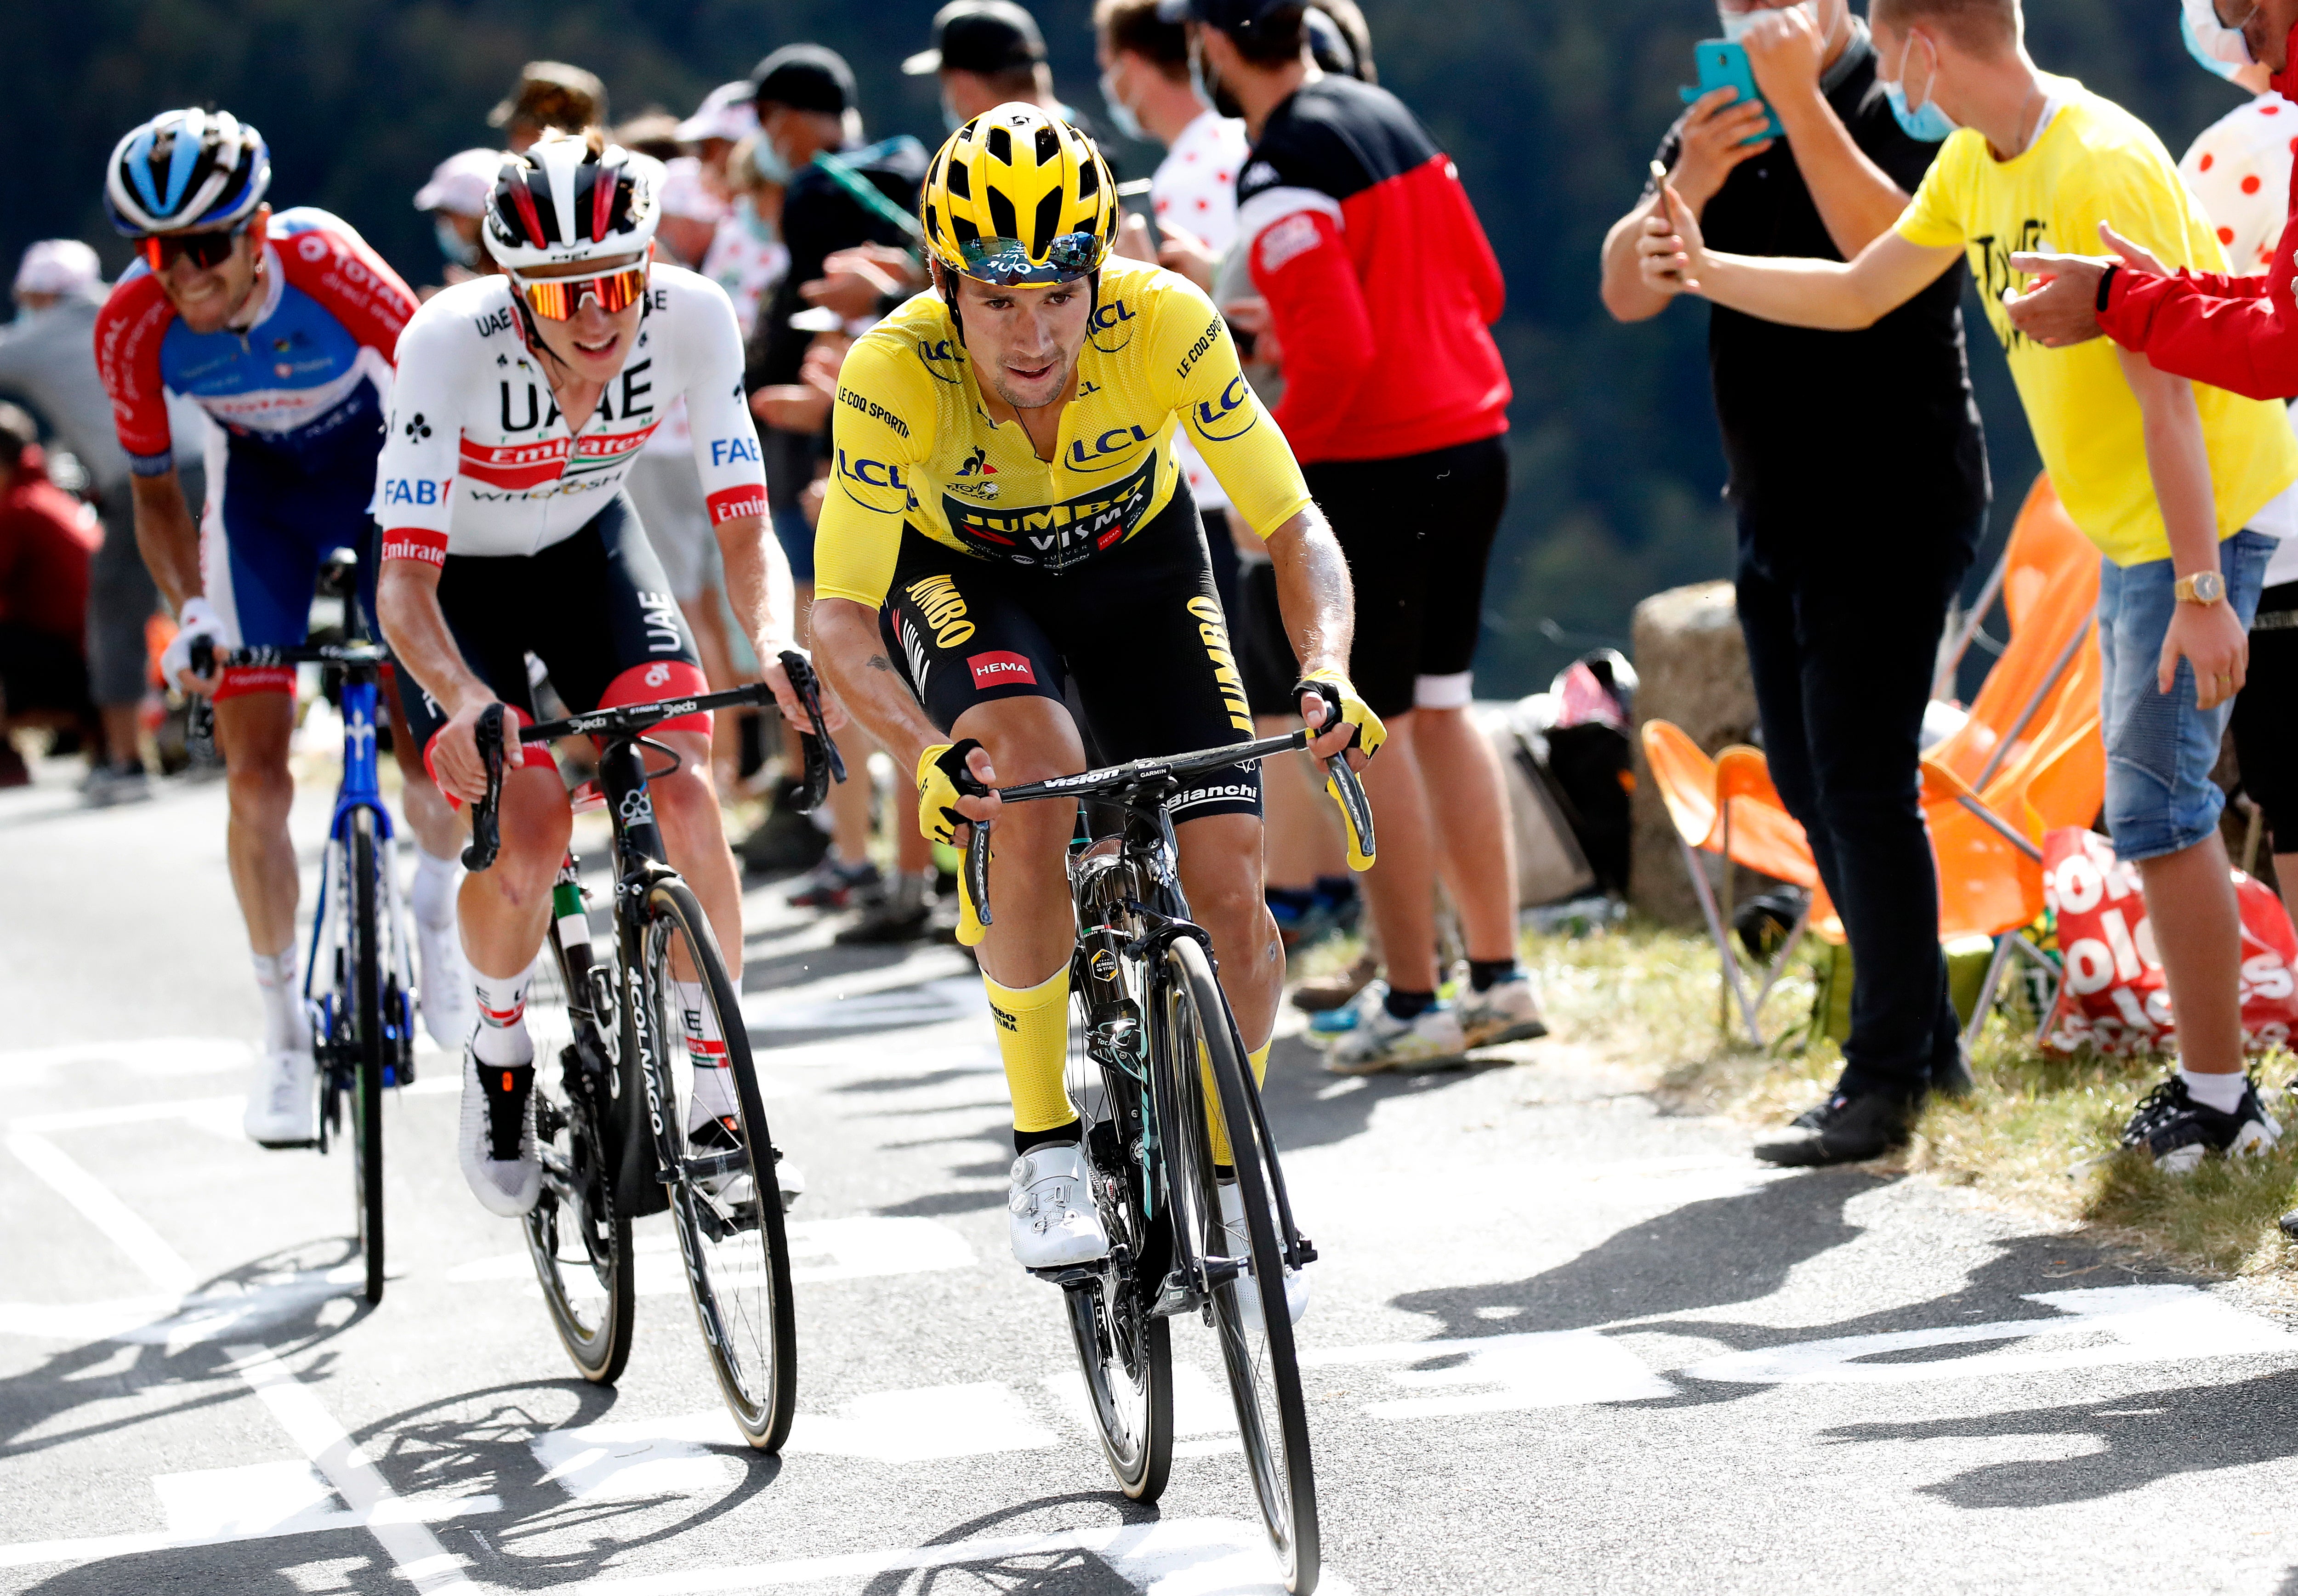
1263,1370
1124,1351
725,1205
371,1049
577,1236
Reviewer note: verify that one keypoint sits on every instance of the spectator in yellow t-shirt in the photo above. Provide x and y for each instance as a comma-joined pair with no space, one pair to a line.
2184,489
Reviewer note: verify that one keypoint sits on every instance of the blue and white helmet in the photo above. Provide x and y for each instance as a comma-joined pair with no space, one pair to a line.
187,170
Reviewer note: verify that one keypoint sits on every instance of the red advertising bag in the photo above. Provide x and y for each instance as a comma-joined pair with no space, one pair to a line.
2113,999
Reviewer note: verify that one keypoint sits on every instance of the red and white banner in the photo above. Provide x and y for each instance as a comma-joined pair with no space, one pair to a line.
2113,999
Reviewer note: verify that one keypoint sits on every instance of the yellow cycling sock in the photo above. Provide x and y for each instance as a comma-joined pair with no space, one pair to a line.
1033,1038
1259,1059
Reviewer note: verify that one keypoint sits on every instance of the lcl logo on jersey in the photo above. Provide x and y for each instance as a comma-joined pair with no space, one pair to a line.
871,474
1116,440
1232,416
940,357
1107,319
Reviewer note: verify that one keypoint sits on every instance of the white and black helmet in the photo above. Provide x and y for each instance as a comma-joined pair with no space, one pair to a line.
187,170
567,200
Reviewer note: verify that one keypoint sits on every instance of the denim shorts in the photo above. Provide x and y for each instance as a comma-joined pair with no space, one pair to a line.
2160,747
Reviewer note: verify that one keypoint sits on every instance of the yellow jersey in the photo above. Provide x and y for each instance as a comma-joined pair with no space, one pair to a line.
912,443
2093,161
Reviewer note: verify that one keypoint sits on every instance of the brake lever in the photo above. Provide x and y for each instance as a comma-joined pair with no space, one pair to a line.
973,917
1356,810
486,822
824,763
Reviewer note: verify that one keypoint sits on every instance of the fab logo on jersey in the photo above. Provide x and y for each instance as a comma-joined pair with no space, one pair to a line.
1055,536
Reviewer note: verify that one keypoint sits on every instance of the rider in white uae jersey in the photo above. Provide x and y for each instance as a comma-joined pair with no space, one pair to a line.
479,462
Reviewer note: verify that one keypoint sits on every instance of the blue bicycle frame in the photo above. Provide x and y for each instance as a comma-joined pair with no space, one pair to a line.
360,790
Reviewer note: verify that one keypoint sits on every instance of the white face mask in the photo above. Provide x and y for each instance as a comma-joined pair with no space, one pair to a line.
2218,48
1737,22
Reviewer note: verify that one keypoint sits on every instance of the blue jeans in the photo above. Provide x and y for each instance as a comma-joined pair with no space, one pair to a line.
2160,747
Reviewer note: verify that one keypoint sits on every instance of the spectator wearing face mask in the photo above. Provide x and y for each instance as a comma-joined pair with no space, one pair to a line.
988,54
746,256
1857,472
47,360
455,198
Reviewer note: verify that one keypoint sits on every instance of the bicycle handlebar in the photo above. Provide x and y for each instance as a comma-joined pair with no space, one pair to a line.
1356,810
207,659
823,760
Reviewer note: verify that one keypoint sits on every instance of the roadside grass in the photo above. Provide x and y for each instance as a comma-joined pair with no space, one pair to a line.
2039,1133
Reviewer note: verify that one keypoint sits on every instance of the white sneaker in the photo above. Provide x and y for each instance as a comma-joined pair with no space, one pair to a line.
1052,1218
1248,1296
498,1119
1381,1041
1507,1011
450,1006
283,1104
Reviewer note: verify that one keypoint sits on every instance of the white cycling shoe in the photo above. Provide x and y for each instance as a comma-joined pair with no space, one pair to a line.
1248,1294
495,1144
450,1004
283,1104
1052,1220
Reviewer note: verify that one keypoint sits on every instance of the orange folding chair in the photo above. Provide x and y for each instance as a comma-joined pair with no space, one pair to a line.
1728,807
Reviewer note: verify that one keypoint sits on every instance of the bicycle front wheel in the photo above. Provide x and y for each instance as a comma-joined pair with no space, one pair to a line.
1257,1349
1124,1351
725,1199
371,1049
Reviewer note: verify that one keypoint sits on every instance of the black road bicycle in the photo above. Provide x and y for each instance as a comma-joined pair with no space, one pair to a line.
1156,1051
611,1127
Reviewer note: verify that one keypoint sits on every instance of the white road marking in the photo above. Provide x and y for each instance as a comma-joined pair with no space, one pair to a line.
96,1548
159,1263
414,1550
2111,1324
1200,1407
849,1249
1556,1368
926,1003
1173,1557
149,1055
219,1313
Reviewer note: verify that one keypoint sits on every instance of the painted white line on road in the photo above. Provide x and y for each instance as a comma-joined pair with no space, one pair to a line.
150,1056
1555,1369
160,1263
229,1310
821,1249
123,1113
413,1550
1200,1407
96,1549
1173,1557
2118,1324
928,1003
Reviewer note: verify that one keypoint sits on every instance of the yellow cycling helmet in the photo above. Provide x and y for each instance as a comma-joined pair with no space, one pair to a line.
1017,195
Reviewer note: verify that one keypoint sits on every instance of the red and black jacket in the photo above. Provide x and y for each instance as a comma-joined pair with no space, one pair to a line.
1379,280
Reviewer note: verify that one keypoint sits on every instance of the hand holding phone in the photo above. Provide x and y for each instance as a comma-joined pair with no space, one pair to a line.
1723,64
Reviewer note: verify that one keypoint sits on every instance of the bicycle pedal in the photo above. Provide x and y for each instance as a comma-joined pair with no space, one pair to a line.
1069,1277
1304,1250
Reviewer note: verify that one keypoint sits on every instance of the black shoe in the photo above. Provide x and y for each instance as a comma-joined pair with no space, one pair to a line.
785,843
1841,1130
1951,1076
2178,1131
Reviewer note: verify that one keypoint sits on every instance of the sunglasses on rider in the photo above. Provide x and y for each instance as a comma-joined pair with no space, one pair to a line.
556,299
206,250
1006,263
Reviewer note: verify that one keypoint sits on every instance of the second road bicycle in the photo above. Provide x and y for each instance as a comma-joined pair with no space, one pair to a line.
611,1125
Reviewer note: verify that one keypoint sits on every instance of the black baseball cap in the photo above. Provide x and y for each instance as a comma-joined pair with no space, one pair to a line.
981,36
804,78
1228,16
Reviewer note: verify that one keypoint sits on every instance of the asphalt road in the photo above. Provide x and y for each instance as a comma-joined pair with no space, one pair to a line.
1559,1340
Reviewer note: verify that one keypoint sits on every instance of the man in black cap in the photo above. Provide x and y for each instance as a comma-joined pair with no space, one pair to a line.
989,52
837,192
550,94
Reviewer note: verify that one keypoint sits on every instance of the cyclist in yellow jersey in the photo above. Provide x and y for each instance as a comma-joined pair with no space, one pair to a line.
1005,524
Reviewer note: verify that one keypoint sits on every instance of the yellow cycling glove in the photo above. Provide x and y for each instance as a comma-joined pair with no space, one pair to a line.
942,780
1367,733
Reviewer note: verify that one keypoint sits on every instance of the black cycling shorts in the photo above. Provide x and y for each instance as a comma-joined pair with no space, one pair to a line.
595,609
1138,631
1416,530
2263,715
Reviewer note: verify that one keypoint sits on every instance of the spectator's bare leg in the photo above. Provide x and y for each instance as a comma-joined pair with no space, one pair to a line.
120,735
1476,845
2197,927
850,800
1401,889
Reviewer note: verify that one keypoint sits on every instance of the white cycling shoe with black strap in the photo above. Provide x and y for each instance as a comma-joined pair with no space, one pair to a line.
1051,1218
495,1142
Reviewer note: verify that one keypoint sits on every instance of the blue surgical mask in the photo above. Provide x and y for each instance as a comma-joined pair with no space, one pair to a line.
950,120
758,226
768,162
452,244
1925,123
1120,114
2220,50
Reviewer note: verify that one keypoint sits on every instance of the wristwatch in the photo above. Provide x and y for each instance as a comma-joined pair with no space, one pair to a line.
2203,587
